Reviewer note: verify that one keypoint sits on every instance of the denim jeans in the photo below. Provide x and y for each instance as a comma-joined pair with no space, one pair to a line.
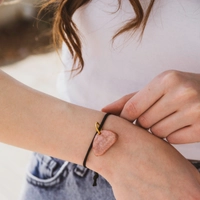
53,179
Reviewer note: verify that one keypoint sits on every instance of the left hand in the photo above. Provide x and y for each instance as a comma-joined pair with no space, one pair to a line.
169,105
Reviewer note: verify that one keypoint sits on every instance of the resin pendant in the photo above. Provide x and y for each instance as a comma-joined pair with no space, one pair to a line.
103,141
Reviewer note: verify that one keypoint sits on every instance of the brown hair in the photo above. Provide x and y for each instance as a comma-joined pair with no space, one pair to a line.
65,29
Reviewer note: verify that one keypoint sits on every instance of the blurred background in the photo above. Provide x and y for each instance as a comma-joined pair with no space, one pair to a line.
27,54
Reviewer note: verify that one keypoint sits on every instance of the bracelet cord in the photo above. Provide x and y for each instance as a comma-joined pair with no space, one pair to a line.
96,175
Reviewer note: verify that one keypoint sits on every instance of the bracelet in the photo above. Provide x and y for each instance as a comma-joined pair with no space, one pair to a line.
101,142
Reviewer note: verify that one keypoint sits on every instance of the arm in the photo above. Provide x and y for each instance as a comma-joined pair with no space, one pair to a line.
133,166
38,122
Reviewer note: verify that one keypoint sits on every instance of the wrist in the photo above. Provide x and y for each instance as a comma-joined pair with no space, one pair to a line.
118,126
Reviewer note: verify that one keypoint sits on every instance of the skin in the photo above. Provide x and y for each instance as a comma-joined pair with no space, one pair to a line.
169,105
139,165
155,169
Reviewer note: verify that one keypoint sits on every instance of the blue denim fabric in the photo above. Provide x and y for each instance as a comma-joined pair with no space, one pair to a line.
53,179
196,163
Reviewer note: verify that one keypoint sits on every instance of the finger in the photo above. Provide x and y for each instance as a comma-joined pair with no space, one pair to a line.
184,135
117,106
171,124
142,101
160,110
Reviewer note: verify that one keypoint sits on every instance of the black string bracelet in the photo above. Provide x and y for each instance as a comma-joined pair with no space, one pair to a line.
96,175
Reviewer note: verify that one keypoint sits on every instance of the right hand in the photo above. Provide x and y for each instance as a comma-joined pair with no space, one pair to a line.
169,105
141,166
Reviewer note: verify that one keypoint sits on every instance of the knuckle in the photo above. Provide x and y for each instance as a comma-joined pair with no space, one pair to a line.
143,121
187,94
171,139
158,131
170,77
130,109
171,74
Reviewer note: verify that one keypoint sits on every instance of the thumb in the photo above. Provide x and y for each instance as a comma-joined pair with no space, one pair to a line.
117,106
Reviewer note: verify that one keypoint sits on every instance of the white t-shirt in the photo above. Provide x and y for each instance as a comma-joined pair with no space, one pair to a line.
171,40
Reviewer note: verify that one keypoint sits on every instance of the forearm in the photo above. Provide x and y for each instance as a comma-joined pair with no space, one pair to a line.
39,122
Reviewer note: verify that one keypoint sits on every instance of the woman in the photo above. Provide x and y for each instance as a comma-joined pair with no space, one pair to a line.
139,165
